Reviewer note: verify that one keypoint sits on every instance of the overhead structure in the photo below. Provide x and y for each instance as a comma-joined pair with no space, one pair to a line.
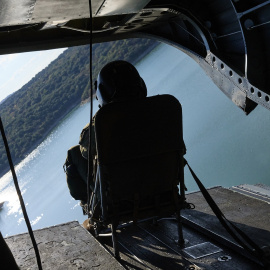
230,39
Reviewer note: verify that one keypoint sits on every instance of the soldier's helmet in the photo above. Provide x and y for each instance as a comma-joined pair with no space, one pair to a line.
119,81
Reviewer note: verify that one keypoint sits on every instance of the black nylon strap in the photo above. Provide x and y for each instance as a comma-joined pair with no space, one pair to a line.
253,248
20,195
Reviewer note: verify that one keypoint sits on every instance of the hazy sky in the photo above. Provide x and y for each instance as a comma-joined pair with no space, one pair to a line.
18,69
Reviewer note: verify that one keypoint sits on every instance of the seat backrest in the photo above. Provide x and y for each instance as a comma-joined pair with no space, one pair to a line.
139,147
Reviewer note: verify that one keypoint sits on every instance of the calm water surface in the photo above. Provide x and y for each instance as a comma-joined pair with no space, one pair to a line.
224,146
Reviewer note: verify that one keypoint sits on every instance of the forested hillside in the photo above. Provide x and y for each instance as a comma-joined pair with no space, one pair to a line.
33,111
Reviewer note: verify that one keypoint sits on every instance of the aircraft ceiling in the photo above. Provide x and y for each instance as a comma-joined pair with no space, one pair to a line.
230,39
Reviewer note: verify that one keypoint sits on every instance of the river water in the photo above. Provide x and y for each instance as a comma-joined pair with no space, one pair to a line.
224,146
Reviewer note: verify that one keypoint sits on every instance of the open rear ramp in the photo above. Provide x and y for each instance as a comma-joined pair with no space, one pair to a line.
150,246
65,246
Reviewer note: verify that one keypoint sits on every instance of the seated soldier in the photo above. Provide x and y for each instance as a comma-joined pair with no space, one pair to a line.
118,81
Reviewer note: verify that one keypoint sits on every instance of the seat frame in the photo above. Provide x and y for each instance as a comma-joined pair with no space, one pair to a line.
124,157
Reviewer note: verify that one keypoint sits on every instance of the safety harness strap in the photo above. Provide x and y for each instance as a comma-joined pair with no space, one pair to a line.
253,248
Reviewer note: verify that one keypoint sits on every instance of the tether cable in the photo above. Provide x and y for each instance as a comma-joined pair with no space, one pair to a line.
89,173
20,195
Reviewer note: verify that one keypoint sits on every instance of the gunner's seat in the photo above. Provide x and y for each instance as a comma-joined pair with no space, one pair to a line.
139,168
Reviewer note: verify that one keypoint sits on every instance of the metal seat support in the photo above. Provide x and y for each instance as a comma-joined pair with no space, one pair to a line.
140,152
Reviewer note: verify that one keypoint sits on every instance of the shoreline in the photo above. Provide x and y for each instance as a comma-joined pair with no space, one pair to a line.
55,124
70,109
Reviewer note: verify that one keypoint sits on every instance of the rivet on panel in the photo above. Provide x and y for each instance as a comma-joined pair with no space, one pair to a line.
248,24
191,267
224,258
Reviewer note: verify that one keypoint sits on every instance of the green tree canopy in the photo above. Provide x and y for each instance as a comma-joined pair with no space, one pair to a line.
33,111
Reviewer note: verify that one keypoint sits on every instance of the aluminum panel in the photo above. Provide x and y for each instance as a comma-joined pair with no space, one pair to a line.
15,12
116,7
63,10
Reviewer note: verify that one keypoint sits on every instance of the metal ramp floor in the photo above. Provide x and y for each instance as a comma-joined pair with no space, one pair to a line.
149,246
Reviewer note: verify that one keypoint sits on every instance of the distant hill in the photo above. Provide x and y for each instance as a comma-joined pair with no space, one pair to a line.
33,111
